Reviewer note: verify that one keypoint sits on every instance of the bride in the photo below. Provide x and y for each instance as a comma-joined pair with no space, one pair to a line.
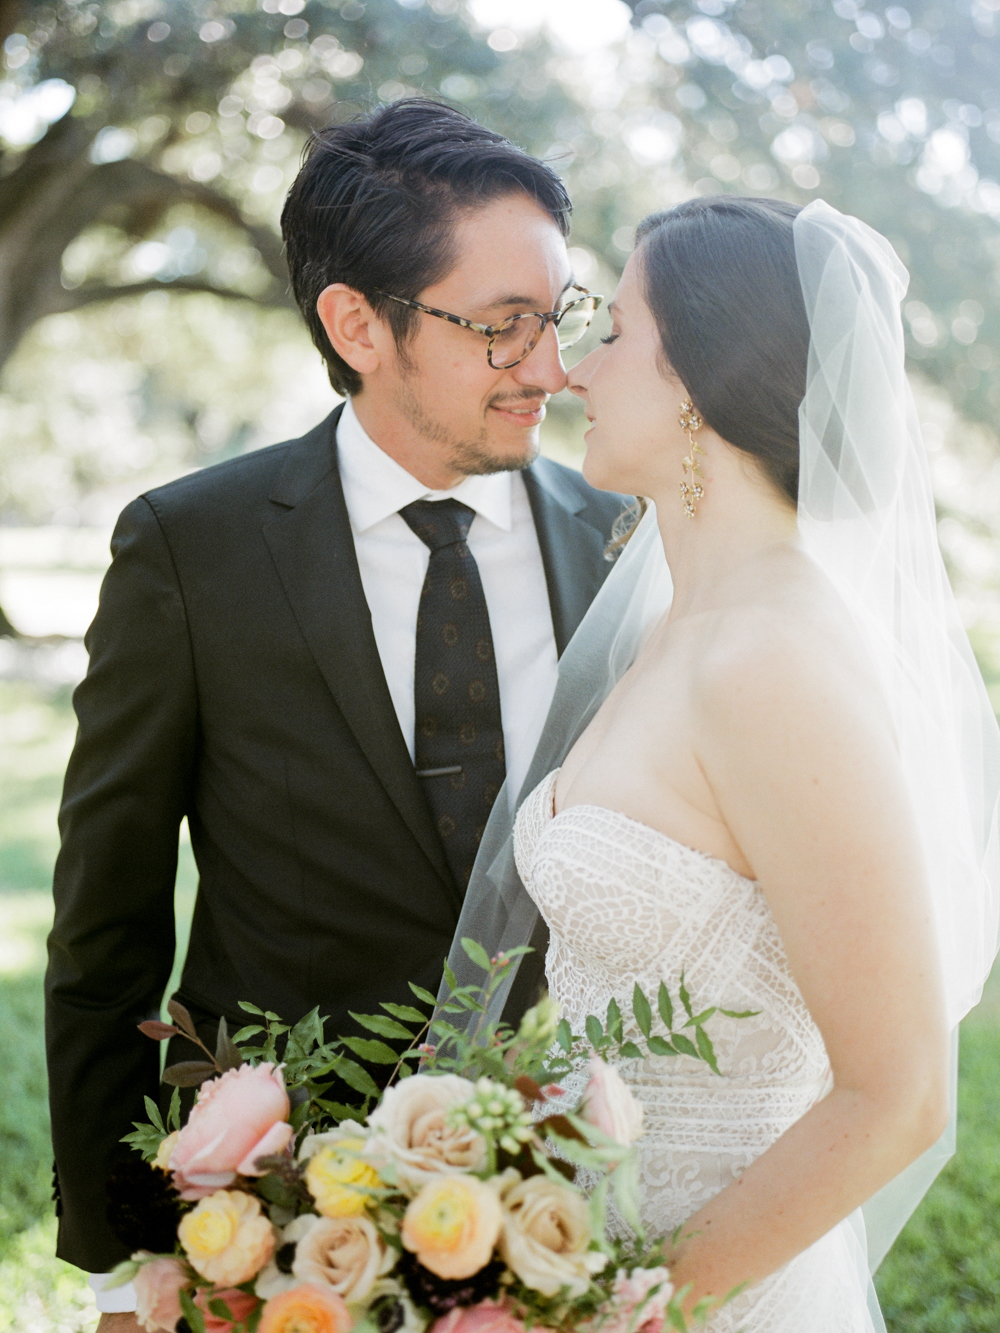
778,767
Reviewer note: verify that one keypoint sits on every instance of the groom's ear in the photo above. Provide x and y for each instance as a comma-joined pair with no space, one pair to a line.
356,333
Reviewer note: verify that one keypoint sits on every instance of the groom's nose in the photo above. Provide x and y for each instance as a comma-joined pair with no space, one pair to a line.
543,366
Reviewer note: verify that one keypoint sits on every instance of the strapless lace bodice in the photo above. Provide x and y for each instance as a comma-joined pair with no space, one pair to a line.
626,904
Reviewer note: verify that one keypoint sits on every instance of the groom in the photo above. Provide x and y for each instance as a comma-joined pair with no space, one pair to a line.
328,654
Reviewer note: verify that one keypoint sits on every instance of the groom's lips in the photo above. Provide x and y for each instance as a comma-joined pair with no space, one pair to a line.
520,414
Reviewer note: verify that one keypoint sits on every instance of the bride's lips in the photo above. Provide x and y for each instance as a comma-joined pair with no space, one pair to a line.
525,414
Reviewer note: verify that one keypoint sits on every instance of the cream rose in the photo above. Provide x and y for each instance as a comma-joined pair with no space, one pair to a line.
545,1236
410,1130
344,1253
227,1238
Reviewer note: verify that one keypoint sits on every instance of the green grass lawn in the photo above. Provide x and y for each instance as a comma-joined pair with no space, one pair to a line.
942,1276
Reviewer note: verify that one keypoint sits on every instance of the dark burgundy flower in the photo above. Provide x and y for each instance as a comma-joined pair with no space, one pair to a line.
143,1207
443,1294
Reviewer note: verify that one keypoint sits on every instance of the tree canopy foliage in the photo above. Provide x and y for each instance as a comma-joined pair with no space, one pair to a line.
147,145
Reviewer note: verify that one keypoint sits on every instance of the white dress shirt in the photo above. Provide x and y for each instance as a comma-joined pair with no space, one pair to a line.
393,561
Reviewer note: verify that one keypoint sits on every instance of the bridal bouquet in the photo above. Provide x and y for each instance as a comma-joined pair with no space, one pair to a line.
462,1198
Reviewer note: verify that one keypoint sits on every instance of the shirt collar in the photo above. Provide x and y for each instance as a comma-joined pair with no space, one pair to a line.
376,486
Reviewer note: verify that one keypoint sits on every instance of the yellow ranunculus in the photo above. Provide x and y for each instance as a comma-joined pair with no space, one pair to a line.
338,1179
452,1225
227,1238
165,1151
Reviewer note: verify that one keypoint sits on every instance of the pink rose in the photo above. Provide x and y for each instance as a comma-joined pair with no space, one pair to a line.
157,1287
487,1317
609,1106
638,1302
237,1118
241,1304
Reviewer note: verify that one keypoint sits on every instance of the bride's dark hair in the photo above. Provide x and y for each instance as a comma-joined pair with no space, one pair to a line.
721,280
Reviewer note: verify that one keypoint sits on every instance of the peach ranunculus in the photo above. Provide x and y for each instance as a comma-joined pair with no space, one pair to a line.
486,1317
240,1303
609,1105
546,1236
452,1225
238,1117
638,1302
410,1131
337,1175
158,1284
344,1253
227,1238
306,1309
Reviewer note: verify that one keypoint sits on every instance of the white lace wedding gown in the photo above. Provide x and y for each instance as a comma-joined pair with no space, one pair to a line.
626,904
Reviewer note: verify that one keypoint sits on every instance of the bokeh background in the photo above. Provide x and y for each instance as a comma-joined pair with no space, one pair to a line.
146,330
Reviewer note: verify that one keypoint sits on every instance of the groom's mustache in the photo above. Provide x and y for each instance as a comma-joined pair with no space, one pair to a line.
536,396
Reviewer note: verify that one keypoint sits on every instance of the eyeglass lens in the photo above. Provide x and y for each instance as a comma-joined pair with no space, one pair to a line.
513,343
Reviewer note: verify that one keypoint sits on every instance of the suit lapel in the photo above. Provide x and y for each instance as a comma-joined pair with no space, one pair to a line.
572,550
312,546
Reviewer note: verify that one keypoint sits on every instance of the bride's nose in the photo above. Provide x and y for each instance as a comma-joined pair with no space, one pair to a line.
578,376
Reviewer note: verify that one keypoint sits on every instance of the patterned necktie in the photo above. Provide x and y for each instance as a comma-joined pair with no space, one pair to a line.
458,734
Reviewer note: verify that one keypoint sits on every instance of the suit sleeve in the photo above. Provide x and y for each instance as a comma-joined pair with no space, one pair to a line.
112,943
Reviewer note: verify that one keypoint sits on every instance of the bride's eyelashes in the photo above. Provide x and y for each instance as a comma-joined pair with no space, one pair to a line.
609,339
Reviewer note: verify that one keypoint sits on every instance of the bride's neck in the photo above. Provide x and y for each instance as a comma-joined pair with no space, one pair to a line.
740,517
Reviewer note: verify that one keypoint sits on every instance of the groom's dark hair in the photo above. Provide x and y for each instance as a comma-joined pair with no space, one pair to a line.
375,203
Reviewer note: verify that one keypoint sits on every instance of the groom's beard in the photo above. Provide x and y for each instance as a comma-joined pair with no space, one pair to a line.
471,456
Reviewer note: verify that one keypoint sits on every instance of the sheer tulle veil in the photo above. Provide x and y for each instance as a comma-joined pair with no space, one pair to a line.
866,515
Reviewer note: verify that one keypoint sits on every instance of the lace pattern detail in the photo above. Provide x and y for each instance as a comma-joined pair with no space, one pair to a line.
626,904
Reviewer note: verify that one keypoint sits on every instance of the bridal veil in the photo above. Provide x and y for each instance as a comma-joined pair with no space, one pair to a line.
866,516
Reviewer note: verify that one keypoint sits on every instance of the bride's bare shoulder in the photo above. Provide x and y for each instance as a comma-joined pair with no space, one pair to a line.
783,641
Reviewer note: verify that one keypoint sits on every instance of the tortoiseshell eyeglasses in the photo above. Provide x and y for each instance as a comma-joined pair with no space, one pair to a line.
514,338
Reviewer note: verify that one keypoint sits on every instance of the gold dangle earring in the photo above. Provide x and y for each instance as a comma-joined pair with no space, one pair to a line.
691,487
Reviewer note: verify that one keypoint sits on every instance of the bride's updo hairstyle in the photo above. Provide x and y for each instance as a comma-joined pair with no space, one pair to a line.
721,280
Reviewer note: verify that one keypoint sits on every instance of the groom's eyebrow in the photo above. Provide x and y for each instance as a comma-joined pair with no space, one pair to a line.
504,301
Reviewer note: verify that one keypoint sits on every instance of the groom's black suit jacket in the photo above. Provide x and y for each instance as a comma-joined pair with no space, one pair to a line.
234,679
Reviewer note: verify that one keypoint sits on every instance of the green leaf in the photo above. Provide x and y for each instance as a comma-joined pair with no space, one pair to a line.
685,998
338,1110
422,994
249,1008
476,953
703,1017
665,1006
220,1309
660,1046
246,1033
191,1312
382,1026
625,1180
613,1022
375,1051
706,1049
630,1051
354,1076
683,1046
405,1012
594,1030
643,1013
174,1110
274,1018
740,1013
518,951
121,1273
564,1035
153,1111
450,979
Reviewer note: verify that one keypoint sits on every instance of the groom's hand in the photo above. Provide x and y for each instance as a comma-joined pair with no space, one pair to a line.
119,1323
